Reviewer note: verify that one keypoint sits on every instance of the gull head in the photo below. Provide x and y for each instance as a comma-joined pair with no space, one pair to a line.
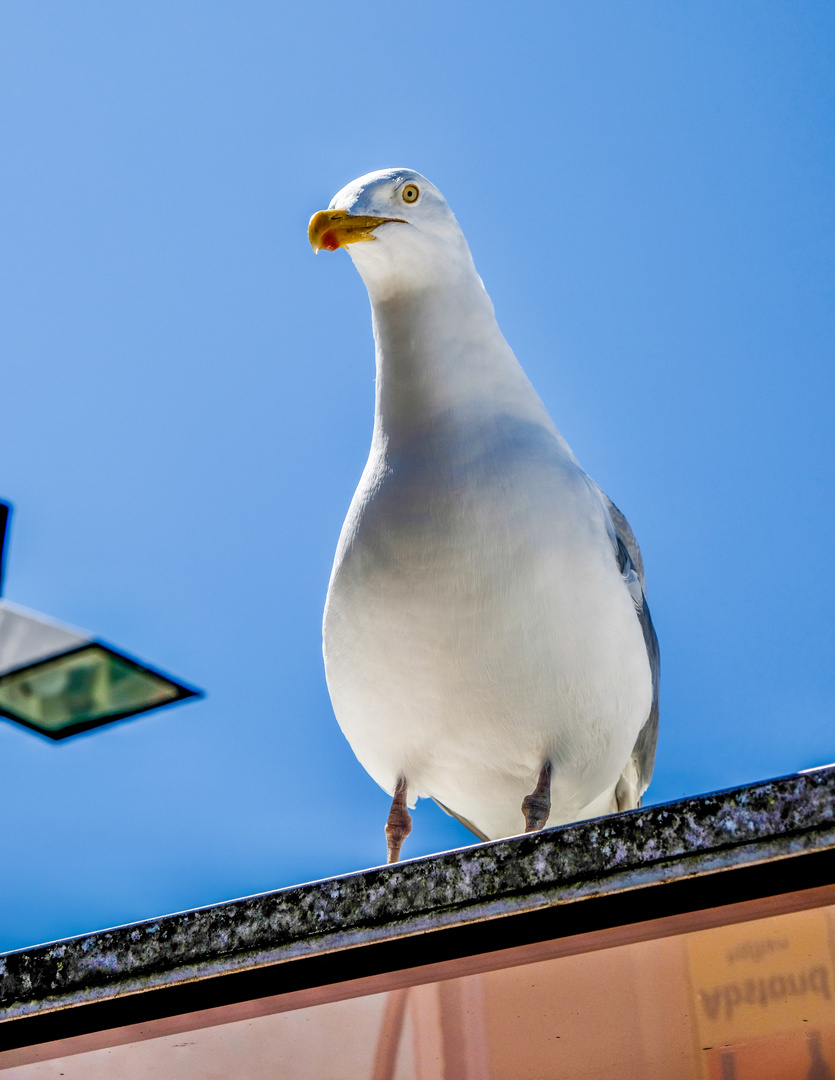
399,231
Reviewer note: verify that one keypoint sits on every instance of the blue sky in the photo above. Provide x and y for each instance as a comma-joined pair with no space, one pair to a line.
187,393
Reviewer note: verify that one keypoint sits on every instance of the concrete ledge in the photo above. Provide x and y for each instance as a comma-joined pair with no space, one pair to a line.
554,875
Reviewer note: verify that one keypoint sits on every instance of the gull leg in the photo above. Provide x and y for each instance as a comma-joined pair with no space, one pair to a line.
399,823
537,806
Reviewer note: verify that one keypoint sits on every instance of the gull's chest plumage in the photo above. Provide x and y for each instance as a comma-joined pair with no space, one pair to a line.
475,625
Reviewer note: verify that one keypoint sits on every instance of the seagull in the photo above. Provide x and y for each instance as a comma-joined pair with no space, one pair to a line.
486,637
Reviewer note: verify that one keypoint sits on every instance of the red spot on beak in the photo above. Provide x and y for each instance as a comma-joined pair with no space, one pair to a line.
329,240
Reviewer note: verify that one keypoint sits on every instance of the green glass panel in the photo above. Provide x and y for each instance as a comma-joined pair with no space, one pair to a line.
84,686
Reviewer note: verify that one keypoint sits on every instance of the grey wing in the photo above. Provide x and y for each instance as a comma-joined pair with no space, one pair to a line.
464,821
624,531
632,567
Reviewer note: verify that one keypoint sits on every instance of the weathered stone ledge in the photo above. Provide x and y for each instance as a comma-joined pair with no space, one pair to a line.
696,836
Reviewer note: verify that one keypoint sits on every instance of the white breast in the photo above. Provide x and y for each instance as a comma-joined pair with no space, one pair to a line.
477,625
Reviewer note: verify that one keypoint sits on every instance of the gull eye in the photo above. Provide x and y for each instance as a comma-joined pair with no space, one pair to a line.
410,193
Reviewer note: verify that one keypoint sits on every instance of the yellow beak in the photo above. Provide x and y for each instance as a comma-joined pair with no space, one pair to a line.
333,229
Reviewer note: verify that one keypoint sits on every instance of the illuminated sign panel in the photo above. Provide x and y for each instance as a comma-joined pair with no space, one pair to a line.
764,997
